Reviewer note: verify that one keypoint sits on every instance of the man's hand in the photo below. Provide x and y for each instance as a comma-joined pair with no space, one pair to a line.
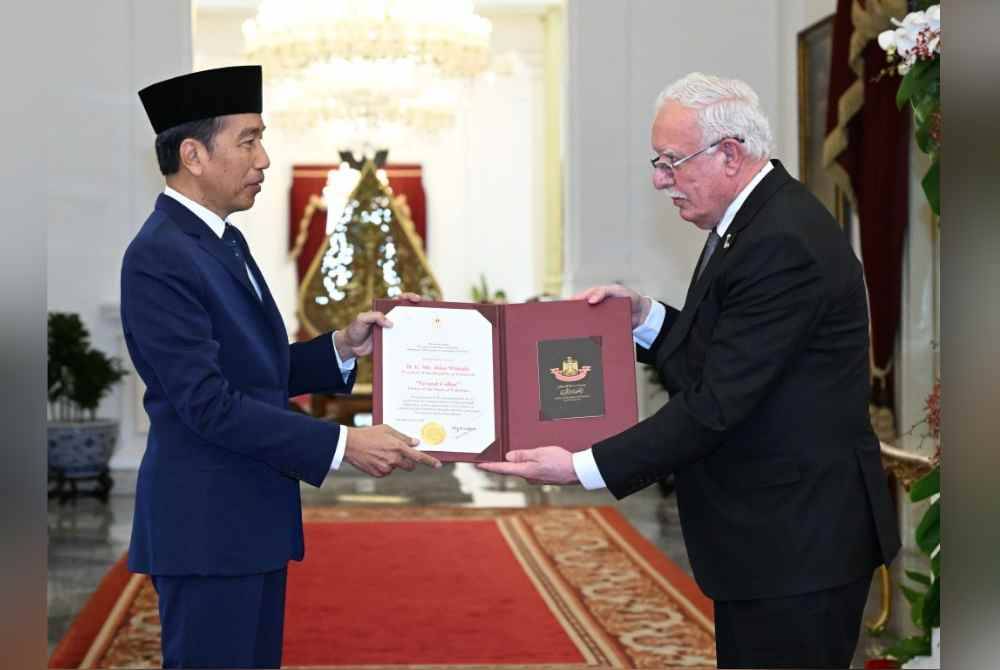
378,450
640,304
356,339
543,465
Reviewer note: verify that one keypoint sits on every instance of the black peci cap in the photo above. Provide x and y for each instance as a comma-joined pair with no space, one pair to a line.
202,95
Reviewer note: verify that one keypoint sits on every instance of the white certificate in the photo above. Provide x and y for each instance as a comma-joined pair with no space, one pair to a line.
437,378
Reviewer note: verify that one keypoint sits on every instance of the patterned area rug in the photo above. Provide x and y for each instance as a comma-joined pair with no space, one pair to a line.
538,588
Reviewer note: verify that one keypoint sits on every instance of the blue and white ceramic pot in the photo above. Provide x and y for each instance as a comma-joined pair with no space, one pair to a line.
81,448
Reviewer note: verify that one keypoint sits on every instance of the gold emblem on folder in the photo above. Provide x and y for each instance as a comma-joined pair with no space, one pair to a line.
570,370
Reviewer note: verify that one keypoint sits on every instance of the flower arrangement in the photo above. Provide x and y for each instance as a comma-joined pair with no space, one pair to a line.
916,37
914,47
481,293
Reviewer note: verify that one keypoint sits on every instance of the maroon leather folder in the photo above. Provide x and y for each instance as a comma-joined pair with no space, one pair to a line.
563,373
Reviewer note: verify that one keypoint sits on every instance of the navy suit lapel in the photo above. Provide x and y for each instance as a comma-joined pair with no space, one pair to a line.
266,301
207,239
767,187
210,242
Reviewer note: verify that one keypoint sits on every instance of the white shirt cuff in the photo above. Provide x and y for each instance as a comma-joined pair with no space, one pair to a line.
347,367
647,332
338,455
586,470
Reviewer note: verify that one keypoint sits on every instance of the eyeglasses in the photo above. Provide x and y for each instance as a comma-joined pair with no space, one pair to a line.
668,166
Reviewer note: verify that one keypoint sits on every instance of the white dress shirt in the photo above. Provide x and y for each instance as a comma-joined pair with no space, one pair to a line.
218,226
646,333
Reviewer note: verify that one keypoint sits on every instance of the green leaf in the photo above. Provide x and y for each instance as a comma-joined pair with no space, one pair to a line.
919,577
924,107
917,613
912,597
927,485
906,649
930,614
923,136
923,119
928,534
936,564
932,187
914,81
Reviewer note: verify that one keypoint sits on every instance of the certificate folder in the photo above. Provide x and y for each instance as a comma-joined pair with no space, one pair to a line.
563,374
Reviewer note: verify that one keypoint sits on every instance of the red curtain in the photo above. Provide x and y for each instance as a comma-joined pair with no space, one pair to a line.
876,160
309,180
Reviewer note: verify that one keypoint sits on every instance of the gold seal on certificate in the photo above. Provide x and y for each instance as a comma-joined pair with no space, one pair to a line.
433,433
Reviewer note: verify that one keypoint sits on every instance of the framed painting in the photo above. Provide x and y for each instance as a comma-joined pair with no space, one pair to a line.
815,45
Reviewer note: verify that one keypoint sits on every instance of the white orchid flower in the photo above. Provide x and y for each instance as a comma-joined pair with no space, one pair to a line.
933,15
887,40
914,22
905,41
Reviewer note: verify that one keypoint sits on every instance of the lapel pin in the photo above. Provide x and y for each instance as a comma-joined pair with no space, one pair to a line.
728,242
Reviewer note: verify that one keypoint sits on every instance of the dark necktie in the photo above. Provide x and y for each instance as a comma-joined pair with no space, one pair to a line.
229,237
710,245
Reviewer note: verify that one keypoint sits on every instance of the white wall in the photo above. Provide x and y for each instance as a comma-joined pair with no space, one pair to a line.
105,178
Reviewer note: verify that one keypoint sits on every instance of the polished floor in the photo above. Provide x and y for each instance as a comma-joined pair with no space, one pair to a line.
86,536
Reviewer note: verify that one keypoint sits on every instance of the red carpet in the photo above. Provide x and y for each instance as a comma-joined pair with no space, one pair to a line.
439,587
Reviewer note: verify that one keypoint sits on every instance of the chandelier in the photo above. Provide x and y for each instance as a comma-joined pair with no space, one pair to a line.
370,62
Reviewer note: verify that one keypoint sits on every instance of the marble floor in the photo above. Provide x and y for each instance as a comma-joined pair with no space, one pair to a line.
86,537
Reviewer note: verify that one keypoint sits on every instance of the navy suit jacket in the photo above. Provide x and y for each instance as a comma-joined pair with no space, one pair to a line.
778,478
218,487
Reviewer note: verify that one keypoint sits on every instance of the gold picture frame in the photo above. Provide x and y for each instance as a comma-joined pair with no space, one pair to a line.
814,51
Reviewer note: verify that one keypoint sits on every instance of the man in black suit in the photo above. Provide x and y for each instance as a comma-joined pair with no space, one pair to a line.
782,498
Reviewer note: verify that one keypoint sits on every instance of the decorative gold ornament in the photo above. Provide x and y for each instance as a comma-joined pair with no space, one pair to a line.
906,465
371,251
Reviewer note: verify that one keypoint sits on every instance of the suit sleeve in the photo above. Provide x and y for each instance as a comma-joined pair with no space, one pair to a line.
772,300
313,368
166,318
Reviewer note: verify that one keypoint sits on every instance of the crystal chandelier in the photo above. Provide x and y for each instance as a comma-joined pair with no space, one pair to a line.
372,62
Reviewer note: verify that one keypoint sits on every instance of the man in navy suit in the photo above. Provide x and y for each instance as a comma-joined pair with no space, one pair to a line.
217,512
782,498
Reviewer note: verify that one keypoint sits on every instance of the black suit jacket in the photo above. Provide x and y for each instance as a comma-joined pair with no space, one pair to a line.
778,477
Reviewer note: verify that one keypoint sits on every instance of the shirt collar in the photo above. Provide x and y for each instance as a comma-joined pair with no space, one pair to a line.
210,218
735,205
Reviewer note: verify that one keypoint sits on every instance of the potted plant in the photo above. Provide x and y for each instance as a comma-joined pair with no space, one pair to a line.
481,293
79,443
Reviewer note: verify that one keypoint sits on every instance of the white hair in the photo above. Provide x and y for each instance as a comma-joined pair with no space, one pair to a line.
725,108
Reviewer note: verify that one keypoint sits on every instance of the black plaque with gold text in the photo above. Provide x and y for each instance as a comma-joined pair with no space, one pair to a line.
570,378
